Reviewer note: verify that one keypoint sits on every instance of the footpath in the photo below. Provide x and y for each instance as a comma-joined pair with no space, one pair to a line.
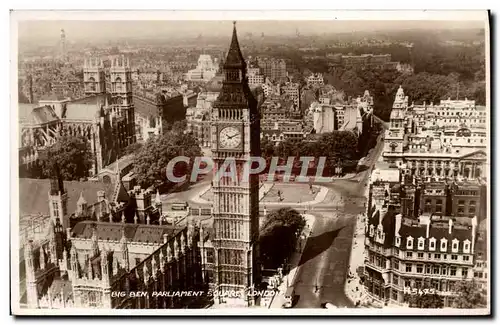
288,280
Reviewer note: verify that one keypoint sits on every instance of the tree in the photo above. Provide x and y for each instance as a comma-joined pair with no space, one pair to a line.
278,236
425,300
72,154
469,295
267,148
151,161
133,148
340,147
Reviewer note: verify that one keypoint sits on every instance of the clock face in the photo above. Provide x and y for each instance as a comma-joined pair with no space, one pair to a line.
230,137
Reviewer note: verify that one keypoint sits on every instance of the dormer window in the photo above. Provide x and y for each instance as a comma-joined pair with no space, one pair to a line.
421,242
409,243
454,246
398,241
432,244
467,246
444,244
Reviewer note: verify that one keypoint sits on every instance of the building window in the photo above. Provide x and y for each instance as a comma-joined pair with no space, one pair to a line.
465,272
420,243
409,243
55,207
443,245
409,255
444,270
408,267
466,246
394,295
453,270
435,270
432,244
395,279
408,283
420,268
465,258
428,269
395,264
437,256
429,256
420,255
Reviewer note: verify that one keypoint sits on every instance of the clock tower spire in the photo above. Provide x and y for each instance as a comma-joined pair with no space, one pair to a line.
235,127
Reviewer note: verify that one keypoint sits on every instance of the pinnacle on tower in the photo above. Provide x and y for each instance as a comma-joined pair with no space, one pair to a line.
234,57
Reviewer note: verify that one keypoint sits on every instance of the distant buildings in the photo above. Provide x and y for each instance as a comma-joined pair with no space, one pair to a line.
368,61
292,91
204,71
329,115
274,69
157,108
255,78
315,80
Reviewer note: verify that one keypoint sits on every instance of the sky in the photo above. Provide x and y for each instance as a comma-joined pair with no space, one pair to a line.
77,30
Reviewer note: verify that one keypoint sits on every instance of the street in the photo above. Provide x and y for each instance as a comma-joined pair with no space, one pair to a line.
324,262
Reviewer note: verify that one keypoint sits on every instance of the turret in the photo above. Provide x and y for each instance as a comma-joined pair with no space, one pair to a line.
124,251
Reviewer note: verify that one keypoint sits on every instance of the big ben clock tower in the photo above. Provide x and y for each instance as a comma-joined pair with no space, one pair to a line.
235,127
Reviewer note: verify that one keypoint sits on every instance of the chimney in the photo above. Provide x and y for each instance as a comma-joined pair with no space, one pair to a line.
398,223
428,228
474,231
450,226
165,238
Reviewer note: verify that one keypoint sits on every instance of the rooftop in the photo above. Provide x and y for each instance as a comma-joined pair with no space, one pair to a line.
113,231
34,198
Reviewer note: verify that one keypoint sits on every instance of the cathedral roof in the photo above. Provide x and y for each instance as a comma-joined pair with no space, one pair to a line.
234,57
80,112
35,194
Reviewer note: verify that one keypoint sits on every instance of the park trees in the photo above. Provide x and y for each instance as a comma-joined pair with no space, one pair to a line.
151,161
278,236
469,295
73,156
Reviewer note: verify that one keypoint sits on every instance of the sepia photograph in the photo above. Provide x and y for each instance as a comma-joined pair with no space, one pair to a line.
250,163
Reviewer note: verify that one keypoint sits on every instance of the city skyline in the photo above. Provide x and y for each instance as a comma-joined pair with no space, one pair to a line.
395,212
31,30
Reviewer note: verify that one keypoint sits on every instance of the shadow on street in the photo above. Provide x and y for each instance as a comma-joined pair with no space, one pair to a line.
318,244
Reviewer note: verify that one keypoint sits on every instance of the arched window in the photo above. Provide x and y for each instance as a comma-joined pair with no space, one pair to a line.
118,84
91,86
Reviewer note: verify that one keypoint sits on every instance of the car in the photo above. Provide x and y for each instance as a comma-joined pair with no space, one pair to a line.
328,305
